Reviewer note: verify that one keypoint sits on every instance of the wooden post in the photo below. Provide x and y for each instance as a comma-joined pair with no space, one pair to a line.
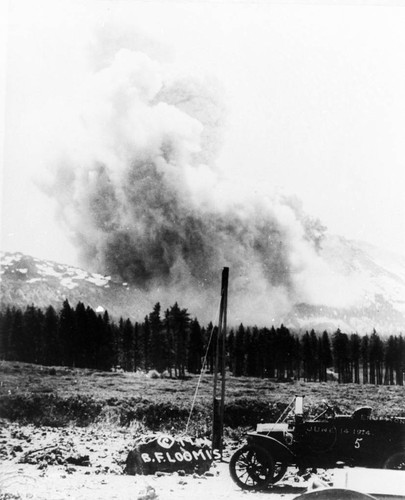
219,405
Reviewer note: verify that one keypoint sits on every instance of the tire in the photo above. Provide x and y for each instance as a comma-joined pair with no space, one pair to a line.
279,470
252,467
395,461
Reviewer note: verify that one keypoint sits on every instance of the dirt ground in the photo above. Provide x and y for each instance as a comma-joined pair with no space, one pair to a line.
75,463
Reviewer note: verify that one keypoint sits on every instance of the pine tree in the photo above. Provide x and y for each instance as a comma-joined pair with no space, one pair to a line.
137,356
179,324
341,355
365,357
315,351
105,352
262,351
355,354
291,356
271,353
93,336
251,352
6,346
83,347
239,351
307,357
18,342
390,359
283,352
170,354
116,342
158,348
400,361
214,332
376,358
297,358
146,343
31,335
128,346
52,355
120,344
325,356
230,347
195,348
3,338
67,329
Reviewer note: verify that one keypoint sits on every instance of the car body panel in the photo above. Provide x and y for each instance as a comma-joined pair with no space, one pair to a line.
353,440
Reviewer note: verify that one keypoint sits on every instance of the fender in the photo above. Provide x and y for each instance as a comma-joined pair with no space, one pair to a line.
277,448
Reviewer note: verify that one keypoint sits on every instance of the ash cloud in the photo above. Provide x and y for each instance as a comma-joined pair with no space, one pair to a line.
137,187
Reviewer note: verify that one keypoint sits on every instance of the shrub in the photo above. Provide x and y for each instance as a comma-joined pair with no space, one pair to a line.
50,410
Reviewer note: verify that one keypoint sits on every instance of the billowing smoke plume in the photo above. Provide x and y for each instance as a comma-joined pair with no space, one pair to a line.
140,193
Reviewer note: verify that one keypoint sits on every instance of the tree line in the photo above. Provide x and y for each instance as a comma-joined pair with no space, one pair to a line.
170,341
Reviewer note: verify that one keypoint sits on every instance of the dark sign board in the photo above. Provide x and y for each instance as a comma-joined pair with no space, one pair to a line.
165,453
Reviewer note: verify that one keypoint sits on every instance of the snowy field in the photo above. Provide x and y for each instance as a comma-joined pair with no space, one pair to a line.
41,463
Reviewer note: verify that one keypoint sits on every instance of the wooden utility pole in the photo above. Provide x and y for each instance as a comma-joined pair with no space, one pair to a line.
219,404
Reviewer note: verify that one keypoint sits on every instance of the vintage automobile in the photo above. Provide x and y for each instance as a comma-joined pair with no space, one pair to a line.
327,441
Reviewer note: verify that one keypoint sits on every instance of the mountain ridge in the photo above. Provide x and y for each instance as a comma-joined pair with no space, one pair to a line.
376,275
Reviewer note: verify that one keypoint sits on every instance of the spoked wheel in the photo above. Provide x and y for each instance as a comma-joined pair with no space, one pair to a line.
252,467
279,471
395,461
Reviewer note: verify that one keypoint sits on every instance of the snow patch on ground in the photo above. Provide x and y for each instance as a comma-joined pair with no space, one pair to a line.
107,448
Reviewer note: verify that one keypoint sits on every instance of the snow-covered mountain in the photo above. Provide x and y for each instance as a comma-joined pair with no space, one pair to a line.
376,279
373,276
27,280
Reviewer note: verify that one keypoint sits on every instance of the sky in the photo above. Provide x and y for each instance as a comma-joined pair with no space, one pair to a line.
313,98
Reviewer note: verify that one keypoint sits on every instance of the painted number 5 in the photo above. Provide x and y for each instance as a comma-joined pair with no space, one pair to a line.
357,443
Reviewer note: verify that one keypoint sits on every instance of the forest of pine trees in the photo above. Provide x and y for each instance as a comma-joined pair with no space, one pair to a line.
170,341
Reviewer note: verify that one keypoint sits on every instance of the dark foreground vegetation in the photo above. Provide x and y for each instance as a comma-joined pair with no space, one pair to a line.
173,343
60,396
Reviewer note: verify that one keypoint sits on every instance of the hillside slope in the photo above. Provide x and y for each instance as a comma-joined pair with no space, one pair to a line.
374,277
27,280
369,291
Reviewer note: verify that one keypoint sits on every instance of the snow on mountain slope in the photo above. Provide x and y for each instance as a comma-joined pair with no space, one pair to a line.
377,271
373,278
27,280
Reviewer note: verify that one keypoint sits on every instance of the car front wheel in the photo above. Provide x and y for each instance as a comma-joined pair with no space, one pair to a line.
252,467
279,471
